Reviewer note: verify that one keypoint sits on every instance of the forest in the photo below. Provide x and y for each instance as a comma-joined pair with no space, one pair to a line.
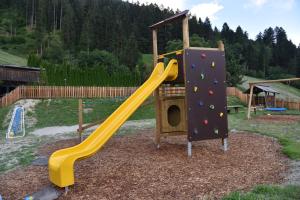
102,42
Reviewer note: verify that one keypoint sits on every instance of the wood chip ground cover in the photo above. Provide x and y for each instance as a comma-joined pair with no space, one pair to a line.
130,167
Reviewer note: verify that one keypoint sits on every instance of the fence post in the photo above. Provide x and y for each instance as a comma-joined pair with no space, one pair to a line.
80,118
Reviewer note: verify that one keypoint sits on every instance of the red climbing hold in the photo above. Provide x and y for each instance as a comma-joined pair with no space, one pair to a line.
205,122
210,92
203,55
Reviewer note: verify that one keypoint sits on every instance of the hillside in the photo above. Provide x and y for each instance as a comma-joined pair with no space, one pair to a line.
7,58
285,90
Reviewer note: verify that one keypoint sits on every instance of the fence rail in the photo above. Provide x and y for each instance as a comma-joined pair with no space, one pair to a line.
52,92
286,103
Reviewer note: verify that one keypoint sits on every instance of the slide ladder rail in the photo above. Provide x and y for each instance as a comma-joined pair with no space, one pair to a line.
61,162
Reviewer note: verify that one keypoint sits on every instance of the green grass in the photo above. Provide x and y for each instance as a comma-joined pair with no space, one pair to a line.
3,113
7,58
65,111
265,192
285,91
20,157
287,133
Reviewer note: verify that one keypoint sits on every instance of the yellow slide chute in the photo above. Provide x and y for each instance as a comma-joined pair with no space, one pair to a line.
61,162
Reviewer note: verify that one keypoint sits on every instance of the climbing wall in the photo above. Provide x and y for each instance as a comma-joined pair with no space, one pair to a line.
205,94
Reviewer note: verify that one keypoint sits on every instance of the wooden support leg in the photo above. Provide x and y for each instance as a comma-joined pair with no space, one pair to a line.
189,149
225,144
250,101
80,118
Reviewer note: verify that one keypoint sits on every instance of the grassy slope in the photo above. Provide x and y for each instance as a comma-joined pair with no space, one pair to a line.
285,90
7,58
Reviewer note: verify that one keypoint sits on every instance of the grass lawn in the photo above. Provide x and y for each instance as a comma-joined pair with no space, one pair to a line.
65,111
7,58
287,133
263,192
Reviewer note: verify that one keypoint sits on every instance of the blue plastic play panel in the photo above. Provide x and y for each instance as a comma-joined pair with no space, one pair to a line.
276,109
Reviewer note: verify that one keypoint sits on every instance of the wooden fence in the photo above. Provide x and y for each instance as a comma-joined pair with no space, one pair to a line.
284,103
52,92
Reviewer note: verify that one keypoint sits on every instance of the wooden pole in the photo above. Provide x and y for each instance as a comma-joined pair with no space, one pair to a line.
185,32
156,93
80,118
221,46
250,101
275,81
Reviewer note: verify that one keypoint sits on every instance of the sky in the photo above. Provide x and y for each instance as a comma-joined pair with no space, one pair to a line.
253,16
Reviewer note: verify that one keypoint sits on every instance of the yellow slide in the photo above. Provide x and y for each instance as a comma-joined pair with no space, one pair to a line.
61,162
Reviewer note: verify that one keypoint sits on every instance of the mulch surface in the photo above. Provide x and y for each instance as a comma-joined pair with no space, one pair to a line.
278,118
130,167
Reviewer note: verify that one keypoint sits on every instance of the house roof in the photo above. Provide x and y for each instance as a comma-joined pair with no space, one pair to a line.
180,15
25,68
262,88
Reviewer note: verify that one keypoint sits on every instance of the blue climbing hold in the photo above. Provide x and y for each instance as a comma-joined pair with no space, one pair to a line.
216,81
193,66
195,131
200,103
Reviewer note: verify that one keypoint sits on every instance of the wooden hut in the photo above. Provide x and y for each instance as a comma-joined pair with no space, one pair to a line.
12,76
268,99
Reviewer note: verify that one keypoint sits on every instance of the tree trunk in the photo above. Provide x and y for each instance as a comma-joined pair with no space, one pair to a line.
32,15
54,17
61,13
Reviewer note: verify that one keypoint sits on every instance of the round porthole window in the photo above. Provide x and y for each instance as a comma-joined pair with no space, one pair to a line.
174,115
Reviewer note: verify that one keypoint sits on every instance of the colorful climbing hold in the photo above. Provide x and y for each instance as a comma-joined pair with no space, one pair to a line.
195,131
202,76
200,103
213,64
221,114
195,88
193,66
216,81
216,131
205,122
212,107
203,55
210,92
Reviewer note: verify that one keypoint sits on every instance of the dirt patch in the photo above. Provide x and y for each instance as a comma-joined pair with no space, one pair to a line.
130,167
278,118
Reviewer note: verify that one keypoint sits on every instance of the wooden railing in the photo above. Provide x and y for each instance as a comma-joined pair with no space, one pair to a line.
291,104
53,92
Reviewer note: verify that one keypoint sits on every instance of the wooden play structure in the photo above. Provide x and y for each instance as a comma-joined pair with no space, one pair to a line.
200,110
253,85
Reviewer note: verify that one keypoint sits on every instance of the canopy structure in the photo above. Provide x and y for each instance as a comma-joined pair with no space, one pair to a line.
257,83
269,98
262,88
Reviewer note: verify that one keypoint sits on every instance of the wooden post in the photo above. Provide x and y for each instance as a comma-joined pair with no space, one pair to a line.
80,118
250,101
185,32
156,93
221,46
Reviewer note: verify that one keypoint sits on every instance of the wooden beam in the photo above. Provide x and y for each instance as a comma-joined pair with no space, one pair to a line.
274,81
155,49
221,46
80,118
169,20
250,101
185,32
156,92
